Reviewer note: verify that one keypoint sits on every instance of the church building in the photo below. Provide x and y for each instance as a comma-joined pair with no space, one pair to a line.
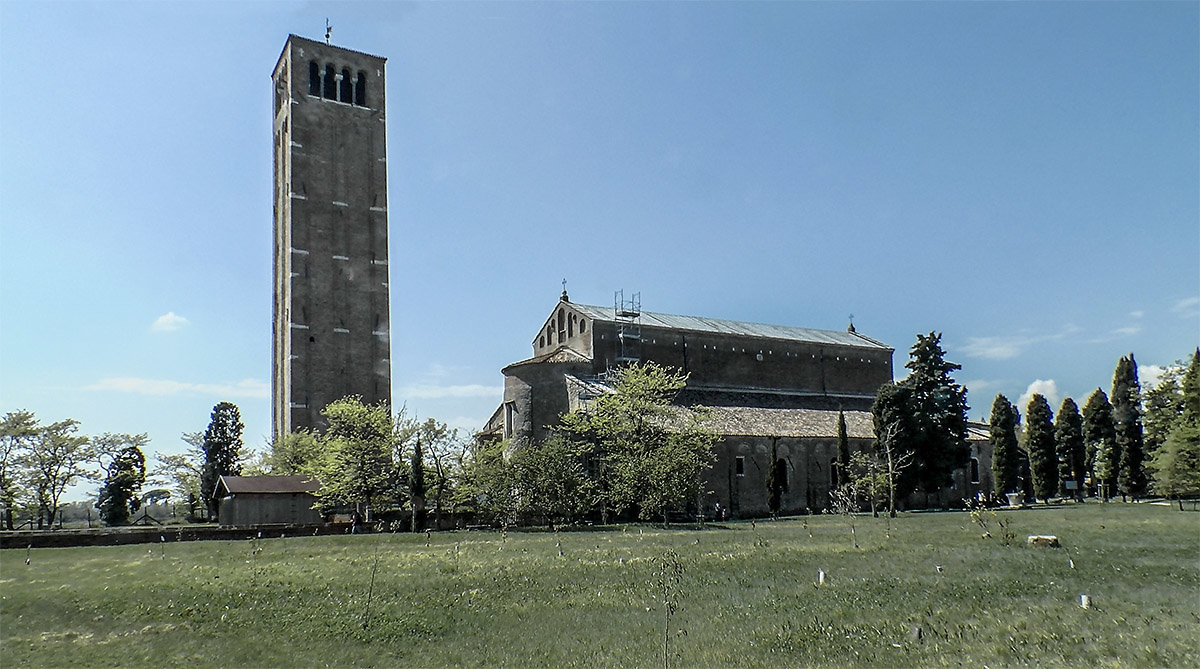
763,384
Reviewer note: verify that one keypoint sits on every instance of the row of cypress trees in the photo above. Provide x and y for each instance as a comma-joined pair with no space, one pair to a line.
1103,444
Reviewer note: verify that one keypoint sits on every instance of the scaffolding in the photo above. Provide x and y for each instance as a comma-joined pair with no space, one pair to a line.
628,317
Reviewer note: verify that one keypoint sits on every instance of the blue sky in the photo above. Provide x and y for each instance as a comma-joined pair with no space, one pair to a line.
1022,177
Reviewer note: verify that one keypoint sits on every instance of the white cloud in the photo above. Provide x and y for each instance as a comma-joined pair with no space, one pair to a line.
247,388
1006,347
997,348
429,391
1046,388
1150,375
1188,307
1137,314
168,322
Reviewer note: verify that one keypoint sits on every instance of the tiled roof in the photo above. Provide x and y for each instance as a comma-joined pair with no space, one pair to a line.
701,324
756,422
268,484
560,354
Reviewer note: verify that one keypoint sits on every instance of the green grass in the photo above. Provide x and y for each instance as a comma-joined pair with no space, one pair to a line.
749,597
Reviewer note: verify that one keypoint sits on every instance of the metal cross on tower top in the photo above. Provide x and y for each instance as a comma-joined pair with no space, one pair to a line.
328,30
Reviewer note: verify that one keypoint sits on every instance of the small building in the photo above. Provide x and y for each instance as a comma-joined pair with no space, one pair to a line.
267,500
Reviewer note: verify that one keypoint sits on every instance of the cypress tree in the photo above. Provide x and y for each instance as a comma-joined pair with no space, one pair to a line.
843,449
1127,420
222,448
1039,441
1068,443
1100,439
1003,437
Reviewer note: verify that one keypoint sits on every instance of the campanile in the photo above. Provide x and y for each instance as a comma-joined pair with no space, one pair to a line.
330,325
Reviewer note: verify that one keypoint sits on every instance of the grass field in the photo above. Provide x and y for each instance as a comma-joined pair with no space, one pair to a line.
749,597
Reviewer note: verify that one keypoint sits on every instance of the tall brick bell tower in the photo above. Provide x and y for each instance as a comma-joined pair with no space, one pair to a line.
330,325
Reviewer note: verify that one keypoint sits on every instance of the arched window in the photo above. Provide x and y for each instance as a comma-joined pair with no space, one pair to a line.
346,87
360,89
314,78
329,89
974,470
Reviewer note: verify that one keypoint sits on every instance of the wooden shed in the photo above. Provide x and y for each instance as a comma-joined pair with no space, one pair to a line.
267,500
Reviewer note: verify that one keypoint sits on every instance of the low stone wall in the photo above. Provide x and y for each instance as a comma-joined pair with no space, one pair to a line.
115,536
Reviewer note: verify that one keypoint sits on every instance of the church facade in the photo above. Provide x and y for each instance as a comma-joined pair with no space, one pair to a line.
769,389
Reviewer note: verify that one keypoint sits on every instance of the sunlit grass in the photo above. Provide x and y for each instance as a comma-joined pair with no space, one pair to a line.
750,597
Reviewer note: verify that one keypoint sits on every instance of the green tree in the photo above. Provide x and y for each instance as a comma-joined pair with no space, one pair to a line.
57,459
183,470
1069,446
416,487
125,472
843,446
1163,405
488,485
1039,441
642,451
18,429
894,432
552,482
1100,437
935,417
1127,420
357,466
294,454
222,448
1175,465
1003,437
441,457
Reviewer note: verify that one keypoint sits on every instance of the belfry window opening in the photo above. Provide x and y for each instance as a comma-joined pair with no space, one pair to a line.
344,86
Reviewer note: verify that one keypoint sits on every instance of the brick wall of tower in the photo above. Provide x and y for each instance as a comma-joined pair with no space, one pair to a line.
331,320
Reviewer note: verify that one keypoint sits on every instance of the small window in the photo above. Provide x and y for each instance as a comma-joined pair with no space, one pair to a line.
510,408
582,325
542,341
360,90
974,470
329,86
314,78
740,465
346,87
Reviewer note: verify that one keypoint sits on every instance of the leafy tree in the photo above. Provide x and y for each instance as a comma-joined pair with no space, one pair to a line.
1127,420
1100,437
183,470
642,452
894,431
17,432
1068,445
1176,463
934,410
1003,437
552,481
125,472
222,448
294,454
56,460
1163,405
441,454
1039,441
357,466
489,484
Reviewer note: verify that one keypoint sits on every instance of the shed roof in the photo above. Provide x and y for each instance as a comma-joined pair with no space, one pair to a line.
703,324
267,484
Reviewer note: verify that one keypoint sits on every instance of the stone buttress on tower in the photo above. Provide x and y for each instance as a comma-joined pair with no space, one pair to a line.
330,325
